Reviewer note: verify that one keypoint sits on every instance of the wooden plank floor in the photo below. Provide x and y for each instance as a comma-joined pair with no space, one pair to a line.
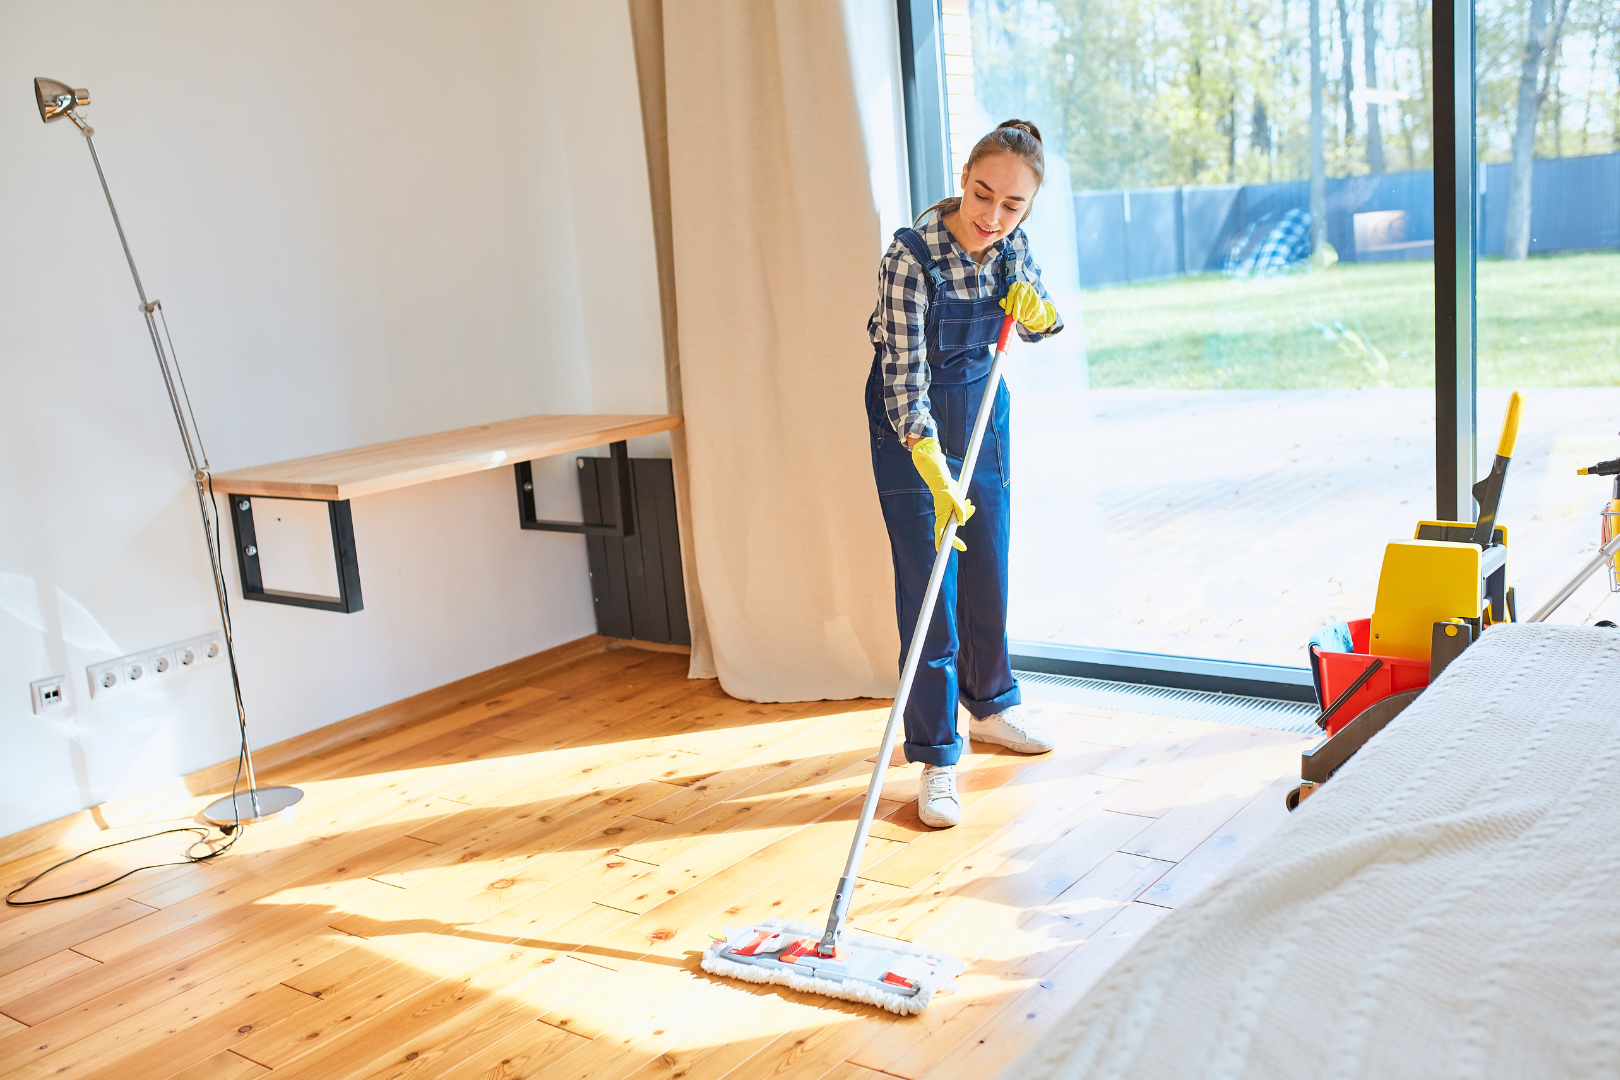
524,886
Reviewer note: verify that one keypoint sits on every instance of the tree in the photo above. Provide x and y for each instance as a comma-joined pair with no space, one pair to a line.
1347,74
1318,166
1375,136
1540,55
1142,93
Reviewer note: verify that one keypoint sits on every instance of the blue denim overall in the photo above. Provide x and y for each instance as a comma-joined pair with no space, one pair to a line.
965,650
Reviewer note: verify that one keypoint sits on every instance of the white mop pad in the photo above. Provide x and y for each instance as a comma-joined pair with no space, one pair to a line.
887,972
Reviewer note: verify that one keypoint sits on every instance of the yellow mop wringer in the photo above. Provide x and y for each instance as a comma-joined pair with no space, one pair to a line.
838,962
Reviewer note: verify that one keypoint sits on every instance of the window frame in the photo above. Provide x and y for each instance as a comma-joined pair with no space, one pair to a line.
922,80
1456,249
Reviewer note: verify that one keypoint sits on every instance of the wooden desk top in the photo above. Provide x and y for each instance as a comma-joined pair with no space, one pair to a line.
349,474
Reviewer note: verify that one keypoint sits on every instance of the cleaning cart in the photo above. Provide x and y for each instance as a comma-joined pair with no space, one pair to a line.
1437,592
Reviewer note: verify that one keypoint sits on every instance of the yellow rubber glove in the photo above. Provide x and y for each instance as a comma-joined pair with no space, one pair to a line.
948,500
1026,305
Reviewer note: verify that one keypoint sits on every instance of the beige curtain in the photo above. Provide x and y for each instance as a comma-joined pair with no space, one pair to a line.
774,238
647,29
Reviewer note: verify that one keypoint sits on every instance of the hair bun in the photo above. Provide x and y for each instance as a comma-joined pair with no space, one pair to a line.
1026,126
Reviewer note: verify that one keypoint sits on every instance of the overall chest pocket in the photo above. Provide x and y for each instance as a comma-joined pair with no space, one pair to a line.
968,324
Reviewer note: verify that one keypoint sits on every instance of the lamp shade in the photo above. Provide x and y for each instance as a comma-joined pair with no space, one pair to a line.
57,99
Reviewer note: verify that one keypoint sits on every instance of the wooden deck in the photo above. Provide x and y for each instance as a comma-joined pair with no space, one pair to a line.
523,886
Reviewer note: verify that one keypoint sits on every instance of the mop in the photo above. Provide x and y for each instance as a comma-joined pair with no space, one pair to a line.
838,962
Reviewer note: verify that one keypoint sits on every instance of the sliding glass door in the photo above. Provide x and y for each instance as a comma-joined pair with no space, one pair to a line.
1256,215
1548,277
1241,414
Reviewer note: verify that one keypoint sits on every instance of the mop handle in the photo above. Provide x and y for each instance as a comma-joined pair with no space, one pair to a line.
1605,553
852,866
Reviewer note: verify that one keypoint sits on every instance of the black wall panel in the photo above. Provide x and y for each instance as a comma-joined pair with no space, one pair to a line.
636,582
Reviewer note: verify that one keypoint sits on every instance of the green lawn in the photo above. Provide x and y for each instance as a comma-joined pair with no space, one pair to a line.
1547,321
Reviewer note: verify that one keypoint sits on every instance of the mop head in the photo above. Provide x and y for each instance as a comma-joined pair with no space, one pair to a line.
896,975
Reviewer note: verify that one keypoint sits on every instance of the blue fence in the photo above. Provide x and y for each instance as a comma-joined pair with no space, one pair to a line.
1140,234
1574,204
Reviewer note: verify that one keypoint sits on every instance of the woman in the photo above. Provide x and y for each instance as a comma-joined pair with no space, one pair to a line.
943,288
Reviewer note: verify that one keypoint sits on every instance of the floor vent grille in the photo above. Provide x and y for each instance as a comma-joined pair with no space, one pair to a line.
1168,701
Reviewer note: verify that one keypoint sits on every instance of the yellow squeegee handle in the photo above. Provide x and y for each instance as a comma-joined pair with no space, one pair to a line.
1488,492
1510,426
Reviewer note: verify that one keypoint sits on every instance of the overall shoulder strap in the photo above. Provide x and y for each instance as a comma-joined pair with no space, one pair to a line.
914,243
1009,256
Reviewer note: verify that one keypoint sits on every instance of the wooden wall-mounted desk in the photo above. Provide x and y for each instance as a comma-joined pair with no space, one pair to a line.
337,477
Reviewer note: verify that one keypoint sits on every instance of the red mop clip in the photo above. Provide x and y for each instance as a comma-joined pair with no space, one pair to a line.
801,947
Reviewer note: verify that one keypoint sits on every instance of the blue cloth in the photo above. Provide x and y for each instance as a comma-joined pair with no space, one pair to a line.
1333,636
964,655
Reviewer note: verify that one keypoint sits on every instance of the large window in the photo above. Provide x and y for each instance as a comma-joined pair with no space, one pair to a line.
1211,459
1256,214
1548,139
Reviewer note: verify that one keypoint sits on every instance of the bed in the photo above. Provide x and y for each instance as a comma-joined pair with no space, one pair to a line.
1448,905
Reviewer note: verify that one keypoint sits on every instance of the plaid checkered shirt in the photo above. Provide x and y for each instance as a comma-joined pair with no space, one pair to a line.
897,326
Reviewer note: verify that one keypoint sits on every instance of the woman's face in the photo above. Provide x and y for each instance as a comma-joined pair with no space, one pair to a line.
995,196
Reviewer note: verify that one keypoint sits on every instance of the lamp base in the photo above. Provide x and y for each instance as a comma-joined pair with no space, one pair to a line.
241,806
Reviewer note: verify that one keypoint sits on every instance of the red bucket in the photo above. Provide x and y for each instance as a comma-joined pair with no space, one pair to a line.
1339,670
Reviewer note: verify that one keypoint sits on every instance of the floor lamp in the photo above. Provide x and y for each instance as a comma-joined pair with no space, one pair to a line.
57,100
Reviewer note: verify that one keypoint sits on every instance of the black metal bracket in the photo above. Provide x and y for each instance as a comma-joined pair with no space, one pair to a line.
347,601
621,498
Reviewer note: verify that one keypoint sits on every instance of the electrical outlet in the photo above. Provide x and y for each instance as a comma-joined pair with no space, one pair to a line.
138,669
161,665
134,669
48,693
105,678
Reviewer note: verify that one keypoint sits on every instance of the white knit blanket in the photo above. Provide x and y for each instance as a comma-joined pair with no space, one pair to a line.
1448,905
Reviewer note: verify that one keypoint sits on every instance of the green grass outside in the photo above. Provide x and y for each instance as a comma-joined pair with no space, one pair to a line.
1546,321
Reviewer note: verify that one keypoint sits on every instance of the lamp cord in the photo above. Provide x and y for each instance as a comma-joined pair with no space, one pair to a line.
190,858
174,382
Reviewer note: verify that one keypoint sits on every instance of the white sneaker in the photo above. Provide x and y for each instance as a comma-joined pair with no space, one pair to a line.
1013,728
937,803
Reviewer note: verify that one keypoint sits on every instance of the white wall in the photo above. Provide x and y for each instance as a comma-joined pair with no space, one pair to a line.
367,219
